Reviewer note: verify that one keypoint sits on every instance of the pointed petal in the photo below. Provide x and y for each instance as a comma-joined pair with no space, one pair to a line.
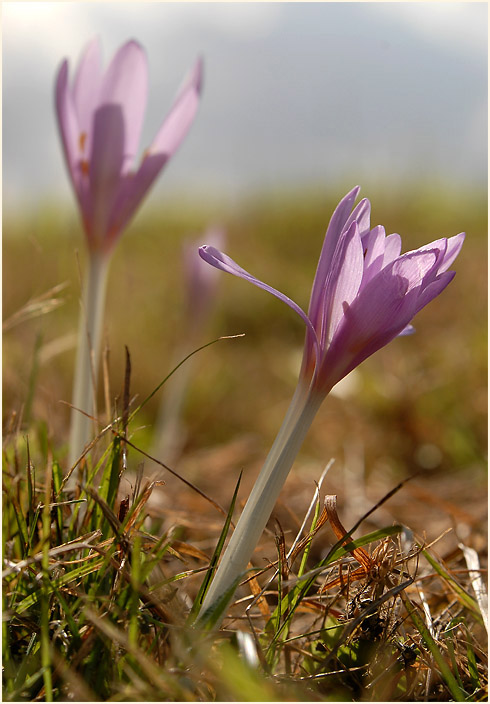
134,186
407,330
393,247
222,261
67,121
343,281
106,163
374,251
181,115
433,289
132,189
380,312
454,245
373,319
362,215
414,266
86,89
126,84
438,247
334,230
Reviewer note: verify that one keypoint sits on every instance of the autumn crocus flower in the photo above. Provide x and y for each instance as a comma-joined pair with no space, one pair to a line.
100,117
365,293
200,288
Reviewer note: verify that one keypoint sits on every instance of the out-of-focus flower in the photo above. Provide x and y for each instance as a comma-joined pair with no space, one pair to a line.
200,289
364,294
100,117
200,281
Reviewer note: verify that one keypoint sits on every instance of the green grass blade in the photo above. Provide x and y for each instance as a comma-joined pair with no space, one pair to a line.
63,581
459,694
44,600
463,596
215,558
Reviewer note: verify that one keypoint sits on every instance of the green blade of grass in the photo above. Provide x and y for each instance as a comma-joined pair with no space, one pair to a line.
110,479
45,590
63,581
134,599
215,558
473,667
463,596
459,694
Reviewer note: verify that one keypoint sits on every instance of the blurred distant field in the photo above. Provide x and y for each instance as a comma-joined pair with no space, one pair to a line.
417,407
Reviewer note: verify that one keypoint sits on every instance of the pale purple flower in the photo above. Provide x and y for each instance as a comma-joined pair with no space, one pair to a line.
200,281
364,294
200,289
100,117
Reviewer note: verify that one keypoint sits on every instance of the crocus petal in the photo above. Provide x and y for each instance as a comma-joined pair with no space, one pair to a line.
393,247
334,230
225,263
414,266
126,84
374,251
373,320
200,280
105,164
382,311
438,247
181,115
433,289
454,245
67,121
86,89
407,330
362,215
343,281
133,188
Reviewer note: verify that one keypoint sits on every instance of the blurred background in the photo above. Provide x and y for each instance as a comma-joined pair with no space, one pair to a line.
295,93
301,102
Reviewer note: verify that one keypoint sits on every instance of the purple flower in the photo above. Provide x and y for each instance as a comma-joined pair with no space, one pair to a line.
365,292
199,280
100,118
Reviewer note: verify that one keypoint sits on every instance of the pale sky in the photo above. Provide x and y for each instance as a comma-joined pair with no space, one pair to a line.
294,93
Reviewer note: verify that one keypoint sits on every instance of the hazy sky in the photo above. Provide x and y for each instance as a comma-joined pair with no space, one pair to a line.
294,93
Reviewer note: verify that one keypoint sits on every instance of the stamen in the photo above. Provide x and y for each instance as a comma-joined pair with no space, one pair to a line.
84,167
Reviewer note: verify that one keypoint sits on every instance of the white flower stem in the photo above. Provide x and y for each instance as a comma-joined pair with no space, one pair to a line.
88,351
265,492
169,432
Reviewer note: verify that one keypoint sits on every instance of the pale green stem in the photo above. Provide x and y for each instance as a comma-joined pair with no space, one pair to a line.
169,432
265,492
88,352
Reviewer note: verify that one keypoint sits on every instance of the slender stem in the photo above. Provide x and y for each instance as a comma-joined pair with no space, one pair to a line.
258,508
89,339
169,433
